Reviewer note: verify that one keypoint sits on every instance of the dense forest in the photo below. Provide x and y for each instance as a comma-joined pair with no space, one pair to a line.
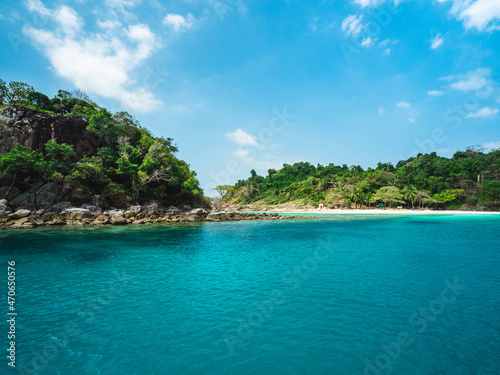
129,166
470,177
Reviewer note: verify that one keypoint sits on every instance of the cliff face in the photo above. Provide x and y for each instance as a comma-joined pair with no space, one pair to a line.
30,128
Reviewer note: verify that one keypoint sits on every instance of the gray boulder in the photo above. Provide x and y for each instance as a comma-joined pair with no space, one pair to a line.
173,210
9,192
3,205
77,213
19,214
216,216
151,209
39,196
118,219
58,207
92,208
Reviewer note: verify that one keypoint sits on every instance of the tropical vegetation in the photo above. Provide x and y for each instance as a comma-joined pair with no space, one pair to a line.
470,177
130,166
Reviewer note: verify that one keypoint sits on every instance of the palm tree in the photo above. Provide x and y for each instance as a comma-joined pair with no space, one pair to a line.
421,197
410,193
355,194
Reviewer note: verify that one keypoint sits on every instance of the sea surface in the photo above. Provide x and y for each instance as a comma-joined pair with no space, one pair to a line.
337,295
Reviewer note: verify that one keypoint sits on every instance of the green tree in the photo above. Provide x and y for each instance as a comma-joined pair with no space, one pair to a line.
39,100
101,124
448,195
388,194
490,193
24,163
59,156
18,92
409,193
3,92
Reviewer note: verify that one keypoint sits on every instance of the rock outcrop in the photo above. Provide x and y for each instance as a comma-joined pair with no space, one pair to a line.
30,128
80,216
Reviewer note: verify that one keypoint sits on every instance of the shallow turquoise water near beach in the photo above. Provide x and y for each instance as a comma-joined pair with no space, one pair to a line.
339,295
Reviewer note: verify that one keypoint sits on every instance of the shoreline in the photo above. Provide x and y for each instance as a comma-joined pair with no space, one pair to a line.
357,211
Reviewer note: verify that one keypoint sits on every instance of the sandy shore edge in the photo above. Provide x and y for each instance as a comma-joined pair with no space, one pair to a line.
376,212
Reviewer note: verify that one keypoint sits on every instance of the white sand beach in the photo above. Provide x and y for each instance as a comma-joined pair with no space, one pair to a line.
379,211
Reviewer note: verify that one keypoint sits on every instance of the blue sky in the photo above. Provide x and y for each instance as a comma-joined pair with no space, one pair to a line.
246,85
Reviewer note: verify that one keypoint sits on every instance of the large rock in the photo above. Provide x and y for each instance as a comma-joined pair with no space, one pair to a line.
173,210
92,208
31,128
9,192
151,209
216,216
135,209
118,219
77,214
196,215
19,214
3,205
39,196
58,207
102,220
198,211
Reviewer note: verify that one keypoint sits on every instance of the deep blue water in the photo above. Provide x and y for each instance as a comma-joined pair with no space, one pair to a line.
345,295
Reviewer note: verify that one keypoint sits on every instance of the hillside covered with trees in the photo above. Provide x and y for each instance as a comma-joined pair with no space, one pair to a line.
470,178
89,151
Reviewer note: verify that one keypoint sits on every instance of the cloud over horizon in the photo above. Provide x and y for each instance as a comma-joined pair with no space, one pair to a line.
98,63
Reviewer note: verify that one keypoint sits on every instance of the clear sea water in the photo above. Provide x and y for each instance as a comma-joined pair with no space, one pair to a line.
339,295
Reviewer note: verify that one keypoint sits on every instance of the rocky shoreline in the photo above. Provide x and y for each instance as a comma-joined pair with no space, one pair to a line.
89,215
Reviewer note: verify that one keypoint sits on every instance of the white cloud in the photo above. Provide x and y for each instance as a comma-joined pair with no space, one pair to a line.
109,24
483,113
473,80
374,3
102,64
412,113
368,42
367,3
243,138
437,41
386,52
482,15
384,43
443,150
37,6
381,111
122,3
435,92
179,23
491,146
352,25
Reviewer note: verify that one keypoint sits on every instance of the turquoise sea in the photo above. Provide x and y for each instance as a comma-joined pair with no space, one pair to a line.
336,295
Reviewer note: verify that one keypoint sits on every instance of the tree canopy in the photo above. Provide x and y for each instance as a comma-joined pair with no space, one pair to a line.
426,180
